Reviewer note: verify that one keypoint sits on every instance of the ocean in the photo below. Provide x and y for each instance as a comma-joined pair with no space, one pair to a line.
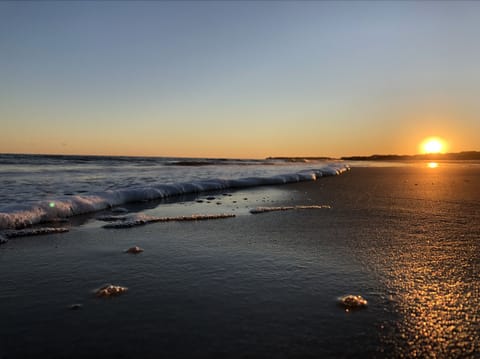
43,188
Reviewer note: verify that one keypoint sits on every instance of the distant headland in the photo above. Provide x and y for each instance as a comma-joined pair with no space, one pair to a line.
458,156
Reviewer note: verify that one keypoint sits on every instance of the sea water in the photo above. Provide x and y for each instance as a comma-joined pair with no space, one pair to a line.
41,188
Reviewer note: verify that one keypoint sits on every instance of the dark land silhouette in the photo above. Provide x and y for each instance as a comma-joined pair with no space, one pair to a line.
459,156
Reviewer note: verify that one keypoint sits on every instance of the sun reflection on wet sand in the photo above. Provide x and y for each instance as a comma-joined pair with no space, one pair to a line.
438,307
432,165
426,255
435,278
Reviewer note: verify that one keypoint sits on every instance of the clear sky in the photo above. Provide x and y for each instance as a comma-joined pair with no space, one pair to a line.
238,79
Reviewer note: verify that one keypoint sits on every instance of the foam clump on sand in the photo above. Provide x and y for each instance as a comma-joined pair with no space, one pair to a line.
352,301
34,232
110,291
134,250
286,208
141,219
3,239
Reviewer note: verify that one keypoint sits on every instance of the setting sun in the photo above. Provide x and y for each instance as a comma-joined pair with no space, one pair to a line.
433,145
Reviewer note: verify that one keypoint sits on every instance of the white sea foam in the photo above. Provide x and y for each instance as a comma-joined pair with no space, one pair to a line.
21,216
33,232
287,208
140,219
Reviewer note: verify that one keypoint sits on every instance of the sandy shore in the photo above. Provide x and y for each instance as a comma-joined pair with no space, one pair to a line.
264,285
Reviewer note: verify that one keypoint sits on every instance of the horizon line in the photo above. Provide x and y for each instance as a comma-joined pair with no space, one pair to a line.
404,156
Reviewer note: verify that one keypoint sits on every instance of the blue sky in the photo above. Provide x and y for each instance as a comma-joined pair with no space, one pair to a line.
238,79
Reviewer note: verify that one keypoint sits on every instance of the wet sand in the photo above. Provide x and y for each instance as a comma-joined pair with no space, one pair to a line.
262,285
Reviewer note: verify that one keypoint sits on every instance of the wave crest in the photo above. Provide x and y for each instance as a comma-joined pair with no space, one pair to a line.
16,217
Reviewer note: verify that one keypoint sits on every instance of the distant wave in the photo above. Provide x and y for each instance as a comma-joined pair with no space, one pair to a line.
18,216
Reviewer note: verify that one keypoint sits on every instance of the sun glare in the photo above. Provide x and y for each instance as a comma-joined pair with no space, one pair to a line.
433,145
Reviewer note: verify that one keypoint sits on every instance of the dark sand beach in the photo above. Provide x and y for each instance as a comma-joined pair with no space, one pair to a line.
406,238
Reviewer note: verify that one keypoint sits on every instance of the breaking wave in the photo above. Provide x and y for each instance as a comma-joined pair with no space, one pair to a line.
22,216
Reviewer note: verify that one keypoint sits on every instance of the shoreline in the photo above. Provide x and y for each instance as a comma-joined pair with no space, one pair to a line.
66,206
260,285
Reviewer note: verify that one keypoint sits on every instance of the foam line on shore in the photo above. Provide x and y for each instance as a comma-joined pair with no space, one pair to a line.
287,208
142,219
22,216
33,232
